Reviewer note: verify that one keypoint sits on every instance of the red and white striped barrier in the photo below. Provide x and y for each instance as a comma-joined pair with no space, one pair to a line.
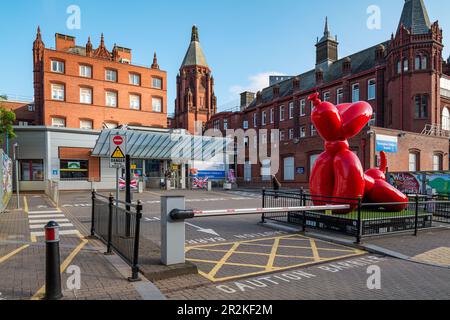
236,212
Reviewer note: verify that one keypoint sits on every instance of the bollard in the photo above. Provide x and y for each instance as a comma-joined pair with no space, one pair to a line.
173,233
53,289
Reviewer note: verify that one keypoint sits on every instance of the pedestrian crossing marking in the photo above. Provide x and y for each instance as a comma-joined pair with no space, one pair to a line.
41,226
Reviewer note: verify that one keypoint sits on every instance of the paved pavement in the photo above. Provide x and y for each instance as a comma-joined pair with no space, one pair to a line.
22,258
430,246
341,280
238,258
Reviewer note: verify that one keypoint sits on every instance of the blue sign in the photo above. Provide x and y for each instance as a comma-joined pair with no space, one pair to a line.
387,144
55,172
301,170
211,174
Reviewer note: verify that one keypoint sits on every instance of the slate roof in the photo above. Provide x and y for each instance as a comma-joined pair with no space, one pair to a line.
360,62
415,17
194,55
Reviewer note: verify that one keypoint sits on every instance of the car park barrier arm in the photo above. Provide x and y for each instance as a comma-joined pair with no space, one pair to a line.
174,214
178,214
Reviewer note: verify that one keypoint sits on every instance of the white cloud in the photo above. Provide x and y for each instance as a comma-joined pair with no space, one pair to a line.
255,83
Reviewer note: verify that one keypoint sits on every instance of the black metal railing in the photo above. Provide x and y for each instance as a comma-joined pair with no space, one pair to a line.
117,224
364,220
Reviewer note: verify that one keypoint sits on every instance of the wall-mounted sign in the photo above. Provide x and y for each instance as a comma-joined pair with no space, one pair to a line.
387,144
74,165
301,170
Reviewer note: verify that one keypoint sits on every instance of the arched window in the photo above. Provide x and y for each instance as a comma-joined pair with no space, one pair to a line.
421,106
424,63
414,161
438,161
405,65
445,119
421,62
417,62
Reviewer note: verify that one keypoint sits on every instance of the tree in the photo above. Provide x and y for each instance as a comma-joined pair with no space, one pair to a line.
7,120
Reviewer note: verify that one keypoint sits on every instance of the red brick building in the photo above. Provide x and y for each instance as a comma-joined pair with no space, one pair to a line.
83,87
405,79
196,101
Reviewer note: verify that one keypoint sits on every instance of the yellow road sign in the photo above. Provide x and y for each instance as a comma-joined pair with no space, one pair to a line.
118,154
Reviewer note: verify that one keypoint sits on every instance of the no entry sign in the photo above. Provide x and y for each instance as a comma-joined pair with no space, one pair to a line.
118,140
117,150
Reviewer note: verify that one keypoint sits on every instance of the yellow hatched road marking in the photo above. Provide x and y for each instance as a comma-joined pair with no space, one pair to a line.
253,253
13,253
273,255
314,250
228,264
223,260
41,292
240,276
296,247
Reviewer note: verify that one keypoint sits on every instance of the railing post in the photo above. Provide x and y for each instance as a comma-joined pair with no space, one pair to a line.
263,216
93,214
135,267
359,232
110,224
416,220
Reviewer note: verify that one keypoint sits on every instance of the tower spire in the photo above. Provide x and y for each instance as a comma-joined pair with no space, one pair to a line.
38,33
326,47
326,31
415,17
155,62
194,36
102,41
89,47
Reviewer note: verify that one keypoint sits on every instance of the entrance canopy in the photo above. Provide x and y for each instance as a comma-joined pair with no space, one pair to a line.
175,146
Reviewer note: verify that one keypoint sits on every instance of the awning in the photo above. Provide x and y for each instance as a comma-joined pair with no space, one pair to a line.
148,145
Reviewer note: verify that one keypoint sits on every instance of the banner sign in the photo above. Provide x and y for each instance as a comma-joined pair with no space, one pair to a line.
211,170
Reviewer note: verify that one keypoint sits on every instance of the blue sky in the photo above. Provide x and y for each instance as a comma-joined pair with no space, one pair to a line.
244,41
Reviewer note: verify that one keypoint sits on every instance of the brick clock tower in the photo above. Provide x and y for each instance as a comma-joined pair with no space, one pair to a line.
413,71
196,102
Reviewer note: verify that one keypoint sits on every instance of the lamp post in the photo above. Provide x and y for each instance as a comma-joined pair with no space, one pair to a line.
16,163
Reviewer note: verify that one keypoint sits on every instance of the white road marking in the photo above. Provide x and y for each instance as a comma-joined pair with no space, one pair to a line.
32,221
40,226
49,216
200,229
44,212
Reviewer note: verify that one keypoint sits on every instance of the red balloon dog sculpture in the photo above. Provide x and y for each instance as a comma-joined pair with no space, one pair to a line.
338,174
